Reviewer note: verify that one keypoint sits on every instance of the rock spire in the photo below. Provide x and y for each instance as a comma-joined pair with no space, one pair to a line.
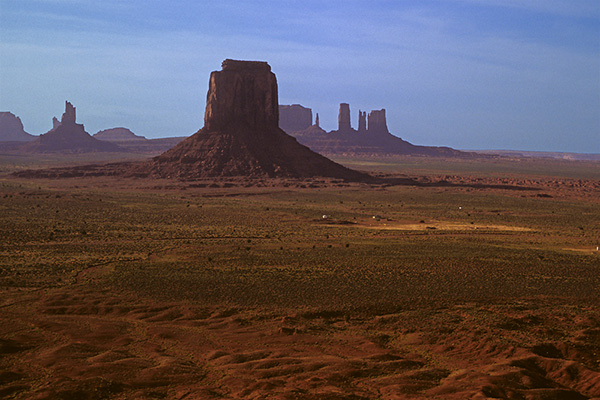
362,121
68,116
344,117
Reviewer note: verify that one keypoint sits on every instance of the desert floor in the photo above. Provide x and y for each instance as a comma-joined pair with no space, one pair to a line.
453,280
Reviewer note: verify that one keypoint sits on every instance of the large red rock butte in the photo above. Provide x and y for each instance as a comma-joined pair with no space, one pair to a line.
241,135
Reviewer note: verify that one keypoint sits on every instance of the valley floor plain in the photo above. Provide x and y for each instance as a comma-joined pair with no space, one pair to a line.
472,279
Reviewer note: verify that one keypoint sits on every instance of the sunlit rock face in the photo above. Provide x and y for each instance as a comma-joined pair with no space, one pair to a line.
242,94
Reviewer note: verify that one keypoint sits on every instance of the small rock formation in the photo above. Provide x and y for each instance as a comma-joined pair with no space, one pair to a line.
362,121
344,117
241,134
317,121
377,122
117,135
11,129
55,123
68,137
294,117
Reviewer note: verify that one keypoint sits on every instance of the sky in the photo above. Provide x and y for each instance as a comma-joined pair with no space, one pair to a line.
469,74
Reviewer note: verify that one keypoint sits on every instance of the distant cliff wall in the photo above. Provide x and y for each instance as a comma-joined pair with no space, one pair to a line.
294,118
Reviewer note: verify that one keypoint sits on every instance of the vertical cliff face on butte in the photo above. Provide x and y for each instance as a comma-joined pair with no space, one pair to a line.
241,134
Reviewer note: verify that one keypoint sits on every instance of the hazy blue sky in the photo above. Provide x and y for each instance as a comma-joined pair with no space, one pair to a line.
487,74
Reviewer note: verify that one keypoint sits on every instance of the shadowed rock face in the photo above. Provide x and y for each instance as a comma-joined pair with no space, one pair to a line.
11,129
241,136
294,118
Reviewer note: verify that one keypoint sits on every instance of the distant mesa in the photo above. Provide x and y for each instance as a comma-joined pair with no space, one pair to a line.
132,143
241,134
294,118
118,135
68,137
11,129
372,136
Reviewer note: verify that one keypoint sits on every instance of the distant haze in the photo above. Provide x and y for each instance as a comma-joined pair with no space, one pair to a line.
489,74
